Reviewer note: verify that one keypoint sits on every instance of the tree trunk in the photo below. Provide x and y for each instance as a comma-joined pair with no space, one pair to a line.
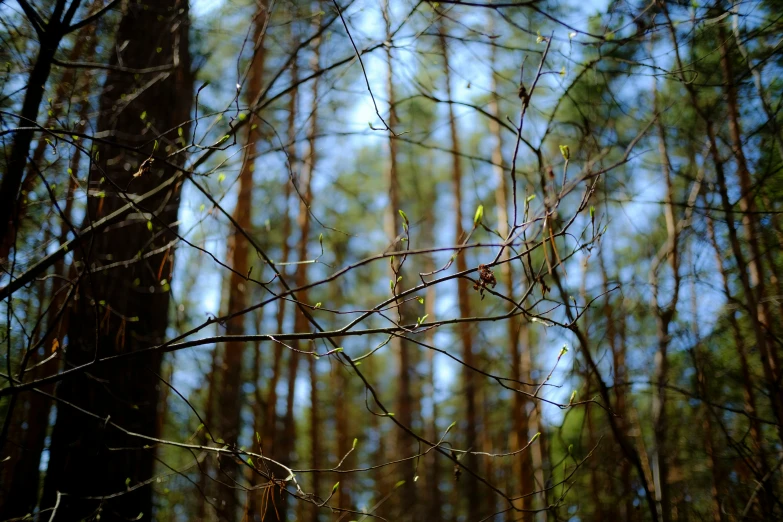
405,505
21,474
300,322
664,313
230,396
523,468
470,484
123,309
50,37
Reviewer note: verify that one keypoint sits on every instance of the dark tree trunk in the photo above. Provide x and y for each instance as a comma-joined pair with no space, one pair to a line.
50,37
124,307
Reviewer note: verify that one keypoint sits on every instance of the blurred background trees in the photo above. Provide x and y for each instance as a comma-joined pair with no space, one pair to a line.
309,260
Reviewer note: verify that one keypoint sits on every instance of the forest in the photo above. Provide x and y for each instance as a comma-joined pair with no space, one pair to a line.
394,260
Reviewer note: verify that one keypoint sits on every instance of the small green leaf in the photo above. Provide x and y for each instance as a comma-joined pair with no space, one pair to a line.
563,351
221,177
535,437
398,484
127,482
390,414
563,71
318,305
179,131
149,226
478,215
404,217
334,488
573,397
571,35
355,441
592,212
565,152
420,299
530,198
250,460
609,36
143,115
201,208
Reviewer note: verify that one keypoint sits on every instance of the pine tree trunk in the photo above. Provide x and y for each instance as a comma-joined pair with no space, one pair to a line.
469,483
123,309
230,397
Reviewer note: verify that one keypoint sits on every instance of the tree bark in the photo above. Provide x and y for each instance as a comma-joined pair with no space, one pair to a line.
50,37
123,308
470,484
230,397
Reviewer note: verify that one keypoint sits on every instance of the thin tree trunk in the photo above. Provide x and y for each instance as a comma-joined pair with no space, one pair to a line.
123,309
664,313
230,396
269,435
259,409
204,483
703,390
23,471
619,379
523,468
50,37
749,216
471,487
404,503
301,322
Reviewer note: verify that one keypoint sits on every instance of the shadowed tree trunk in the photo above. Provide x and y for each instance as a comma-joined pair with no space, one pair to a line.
20,474
124,307
50,35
